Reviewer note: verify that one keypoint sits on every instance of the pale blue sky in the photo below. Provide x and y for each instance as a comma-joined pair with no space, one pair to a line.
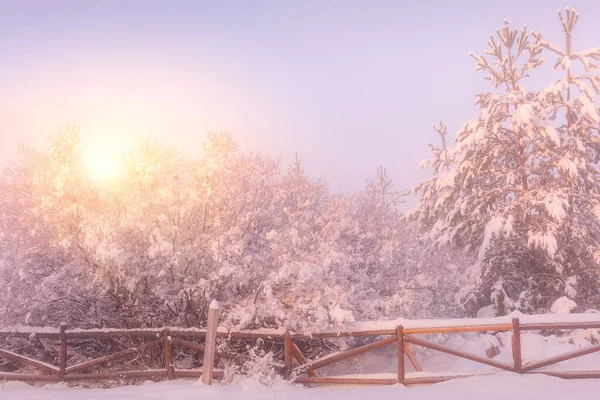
348,85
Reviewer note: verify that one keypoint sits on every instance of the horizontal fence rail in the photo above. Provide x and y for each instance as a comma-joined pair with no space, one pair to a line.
296,366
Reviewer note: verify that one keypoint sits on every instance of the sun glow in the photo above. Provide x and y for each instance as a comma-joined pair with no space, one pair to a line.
102,164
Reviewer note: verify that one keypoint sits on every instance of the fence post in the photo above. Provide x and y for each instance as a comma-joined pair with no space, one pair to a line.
400,350
211,337
287,355
62,367
168,353
516,346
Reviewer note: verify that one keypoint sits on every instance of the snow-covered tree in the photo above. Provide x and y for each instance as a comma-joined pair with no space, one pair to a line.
156,244
521,190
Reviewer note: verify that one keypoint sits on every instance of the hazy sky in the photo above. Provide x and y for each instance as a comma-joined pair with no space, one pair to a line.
348,85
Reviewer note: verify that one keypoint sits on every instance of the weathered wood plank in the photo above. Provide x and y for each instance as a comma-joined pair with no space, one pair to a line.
110,357
561,357
167,354
155,373
412,358
209,347
81,334
301,359
327,360
516,346
333,335
10,376
425,380
573,325
331,380
42,366
185,343
458,353
400,353
457,329
63,352
196,373
287,356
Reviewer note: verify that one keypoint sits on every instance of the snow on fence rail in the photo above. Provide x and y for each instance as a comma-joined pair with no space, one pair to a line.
401,332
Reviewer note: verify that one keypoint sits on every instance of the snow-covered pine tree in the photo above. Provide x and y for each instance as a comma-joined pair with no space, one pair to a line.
522,192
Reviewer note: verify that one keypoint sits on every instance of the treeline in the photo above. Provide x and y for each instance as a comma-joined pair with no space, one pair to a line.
170,233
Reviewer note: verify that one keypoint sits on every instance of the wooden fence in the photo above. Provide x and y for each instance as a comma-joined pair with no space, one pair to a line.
164,339
295,366
403,337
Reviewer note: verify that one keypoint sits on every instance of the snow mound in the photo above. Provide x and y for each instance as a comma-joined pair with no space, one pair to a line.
563,305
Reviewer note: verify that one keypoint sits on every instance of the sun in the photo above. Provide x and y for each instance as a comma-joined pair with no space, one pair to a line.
102,164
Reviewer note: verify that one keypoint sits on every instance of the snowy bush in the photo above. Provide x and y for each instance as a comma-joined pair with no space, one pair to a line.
153,247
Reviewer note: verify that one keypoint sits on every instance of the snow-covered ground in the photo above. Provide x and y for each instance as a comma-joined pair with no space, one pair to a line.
500,386
381,361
